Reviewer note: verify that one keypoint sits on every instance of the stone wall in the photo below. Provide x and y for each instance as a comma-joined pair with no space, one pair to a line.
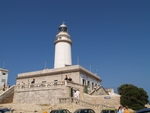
49,95
39,98
33,108
78,74
49,78
40,95
109,100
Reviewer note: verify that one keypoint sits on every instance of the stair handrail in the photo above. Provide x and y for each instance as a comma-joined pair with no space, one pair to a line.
94,90
81,102
5,93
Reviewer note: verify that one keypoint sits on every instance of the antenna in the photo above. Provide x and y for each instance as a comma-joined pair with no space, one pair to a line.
4,64
96,72
63,22
78,60
90,67
45,64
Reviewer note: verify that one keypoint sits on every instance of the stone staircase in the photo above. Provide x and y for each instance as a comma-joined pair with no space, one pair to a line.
70,103
63,103
82,104
92,92
7,96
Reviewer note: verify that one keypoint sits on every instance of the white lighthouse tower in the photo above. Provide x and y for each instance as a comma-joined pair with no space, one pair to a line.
62,48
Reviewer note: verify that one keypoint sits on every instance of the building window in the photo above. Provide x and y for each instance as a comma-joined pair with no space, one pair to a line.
83,82
92,85
3,80
43,81
88,84
4,73
95,85
55,82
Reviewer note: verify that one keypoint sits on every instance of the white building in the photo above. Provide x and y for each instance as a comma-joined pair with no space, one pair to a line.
3,76
62,66
50,89
62,48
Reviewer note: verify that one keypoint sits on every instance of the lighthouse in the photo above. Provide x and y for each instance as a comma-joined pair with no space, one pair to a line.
62,48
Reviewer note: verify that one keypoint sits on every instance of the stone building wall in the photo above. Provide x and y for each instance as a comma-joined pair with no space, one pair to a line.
45,97
48,78
109,100
76,72
40,95
50,94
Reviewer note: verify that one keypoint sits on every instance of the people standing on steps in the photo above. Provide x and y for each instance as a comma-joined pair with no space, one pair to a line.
4,87
78,94
75,94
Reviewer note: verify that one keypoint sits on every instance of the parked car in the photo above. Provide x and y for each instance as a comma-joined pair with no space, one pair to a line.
5,110
84,111
109,110
60,111
145,110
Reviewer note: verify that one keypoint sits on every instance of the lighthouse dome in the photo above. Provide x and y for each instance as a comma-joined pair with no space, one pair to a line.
63,25
63,28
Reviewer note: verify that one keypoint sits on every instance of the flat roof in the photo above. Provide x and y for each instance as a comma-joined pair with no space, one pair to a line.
1,69
73,68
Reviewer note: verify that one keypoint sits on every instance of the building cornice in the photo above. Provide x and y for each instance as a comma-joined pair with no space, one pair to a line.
5,70
46,72
68,41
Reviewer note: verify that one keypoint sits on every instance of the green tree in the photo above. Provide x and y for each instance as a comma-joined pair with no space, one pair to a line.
132,96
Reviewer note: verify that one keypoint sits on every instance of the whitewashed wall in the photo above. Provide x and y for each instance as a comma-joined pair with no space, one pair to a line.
87,78
3,77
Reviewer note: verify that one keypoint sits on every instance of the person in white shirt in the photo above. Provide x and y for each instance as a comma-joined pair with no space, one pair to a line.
75,94
78,94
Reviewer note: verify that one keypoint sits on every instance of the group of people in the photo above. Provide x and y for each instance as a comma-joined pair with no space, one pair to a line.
68,78
23,83
6,86
122,109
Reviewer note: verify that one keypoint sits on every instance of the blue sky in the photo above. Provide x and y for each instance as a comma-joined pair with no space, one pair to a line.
111,37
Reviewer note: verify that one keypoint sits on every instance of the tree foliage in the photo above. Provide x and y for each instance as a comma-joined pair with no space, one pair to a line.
132,96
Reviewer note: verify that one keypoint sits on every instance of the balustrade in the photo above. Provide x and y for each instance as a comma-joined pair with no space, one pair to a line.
39,85
82,103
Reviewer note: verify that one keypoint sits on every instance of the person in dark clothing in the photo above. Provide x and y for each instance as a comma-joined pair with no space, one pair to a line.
66,78
70,79
33,81
3,89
